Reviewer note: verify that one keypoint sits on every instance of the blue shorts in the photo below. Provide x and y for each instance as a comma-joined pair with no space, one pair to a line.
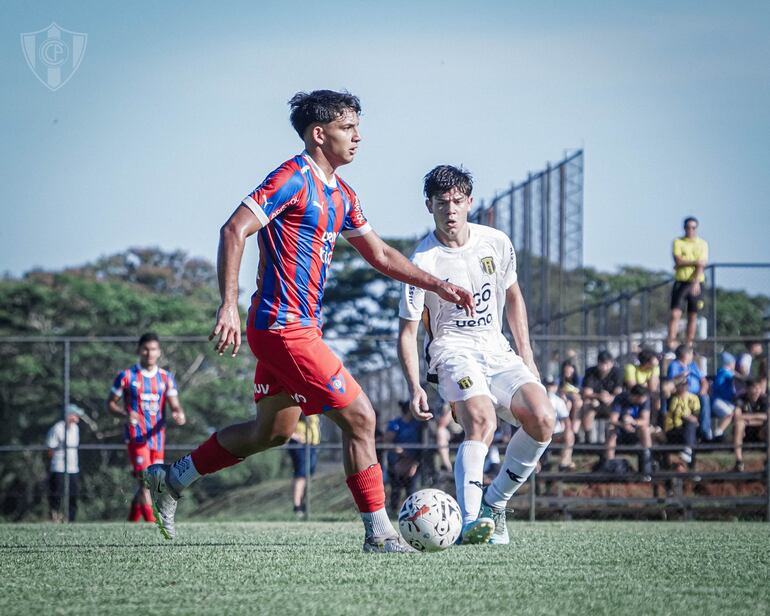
298,458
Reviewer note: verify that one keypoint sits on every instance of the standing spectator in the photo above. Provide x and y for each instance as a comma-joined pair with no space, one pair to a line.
690,257
403,462
723,396
64,434
697,384
307,430
145,389
751,411
601,384
630,425
681,421
562,430
647,374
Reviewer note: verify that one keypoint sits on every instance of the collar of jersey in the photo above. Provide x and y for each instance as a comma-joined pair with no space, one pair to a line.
332,183
471,241
148,373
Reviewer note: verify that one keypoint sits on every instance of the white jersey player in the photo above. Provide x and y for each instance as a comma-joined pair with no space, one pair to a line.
469,358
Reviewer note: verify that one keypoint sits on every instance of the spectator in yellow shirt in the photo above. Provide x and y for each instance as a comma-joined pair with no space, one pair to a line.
690,257
308,431
681,421
647,374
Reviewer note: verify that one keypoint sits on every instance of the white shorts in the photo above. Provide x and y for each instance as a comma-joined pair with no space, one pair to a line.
497,376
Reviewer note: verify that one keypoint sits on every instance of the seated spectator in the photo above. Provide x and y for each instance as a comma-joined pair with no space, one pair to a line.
562,431
646,373
630,425
751,364
403,463
681,420
751,411
601,384
723,396
444,424
569,389
684,365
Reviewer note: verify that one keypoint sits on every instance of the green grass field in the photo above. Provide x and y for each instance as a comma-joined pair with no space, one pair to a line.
317,568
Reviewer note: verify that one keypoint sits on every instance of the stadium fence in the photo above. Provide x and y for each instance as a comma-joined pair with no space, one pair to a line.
81,370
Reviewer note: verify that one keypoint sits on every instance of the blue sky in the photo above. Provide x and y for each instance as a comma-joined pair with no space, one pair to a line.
179,109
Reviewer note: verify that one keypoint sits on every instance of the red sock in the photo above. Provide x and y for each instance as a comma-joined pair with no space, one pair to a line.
211,457
136,513
367,489
147,513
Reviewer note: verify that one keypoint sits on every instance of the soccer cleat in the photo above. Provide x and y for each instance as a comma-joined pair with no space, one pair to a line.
497,515
477,532
381,545
164,499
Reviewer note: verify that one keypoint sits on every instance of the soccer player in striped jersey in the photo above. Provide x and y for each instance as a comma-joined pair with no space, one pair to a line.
469,359
140,395
298,212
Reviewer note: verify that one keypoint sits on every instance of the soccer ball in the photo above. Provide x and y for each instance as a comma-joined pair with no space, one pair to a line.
430,520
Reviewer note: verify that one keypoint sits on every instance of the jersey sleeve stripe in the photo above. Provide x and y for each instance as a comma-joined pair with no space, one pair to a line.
258,211
357,232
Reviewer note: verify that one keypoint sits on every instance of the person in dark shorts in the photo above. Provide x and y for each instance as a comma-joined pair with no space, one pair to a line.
307,431
403,462
751,411
630,425
690,254
601,384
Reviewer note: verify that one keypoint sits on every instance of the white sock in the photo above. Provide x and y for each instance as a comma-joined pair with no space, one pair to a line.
183,473
521,457
469,478
377,524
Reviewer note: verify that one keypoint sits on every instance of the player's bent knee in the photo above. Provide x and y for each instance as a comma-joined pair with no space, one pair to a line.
543,422
358,419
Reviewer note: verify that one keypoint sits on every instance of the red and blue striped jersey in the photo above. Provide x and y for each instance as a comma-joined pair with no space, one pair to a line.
302,213
145,393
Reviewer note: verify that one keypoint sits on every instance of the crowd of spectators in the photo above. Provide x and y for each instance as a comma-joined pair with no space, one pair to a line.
653,399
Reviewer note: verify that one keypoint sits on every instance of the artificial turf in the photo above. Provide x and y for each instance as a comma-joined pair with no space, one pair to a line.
311,568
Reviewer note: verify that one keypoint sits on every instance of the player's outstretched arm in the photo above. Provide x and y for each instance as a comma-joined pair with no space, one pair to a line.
232,239
393,264
516,313
410,365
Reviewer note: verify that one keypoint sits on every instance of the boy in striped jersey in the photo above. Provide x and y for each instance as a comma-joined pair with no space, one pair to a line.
297,213
140,394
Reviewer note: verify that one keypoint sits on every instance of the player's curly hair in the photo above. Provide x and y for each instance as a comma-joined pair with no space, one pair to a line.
320,106
444,178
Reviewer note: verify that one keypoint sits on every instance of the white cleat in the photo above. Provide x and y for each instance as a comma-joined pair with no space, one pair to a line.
396,544
477,532
164,499
497,514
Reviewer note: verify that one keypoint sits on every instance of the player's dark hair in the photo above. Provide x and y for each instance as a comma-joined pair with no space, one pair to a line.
690,219
444,178
320,107
148,337
645,355
638,390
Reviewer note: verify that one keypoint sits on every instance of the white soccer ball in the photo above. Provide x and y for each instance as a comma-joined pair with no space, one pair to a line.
430,520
